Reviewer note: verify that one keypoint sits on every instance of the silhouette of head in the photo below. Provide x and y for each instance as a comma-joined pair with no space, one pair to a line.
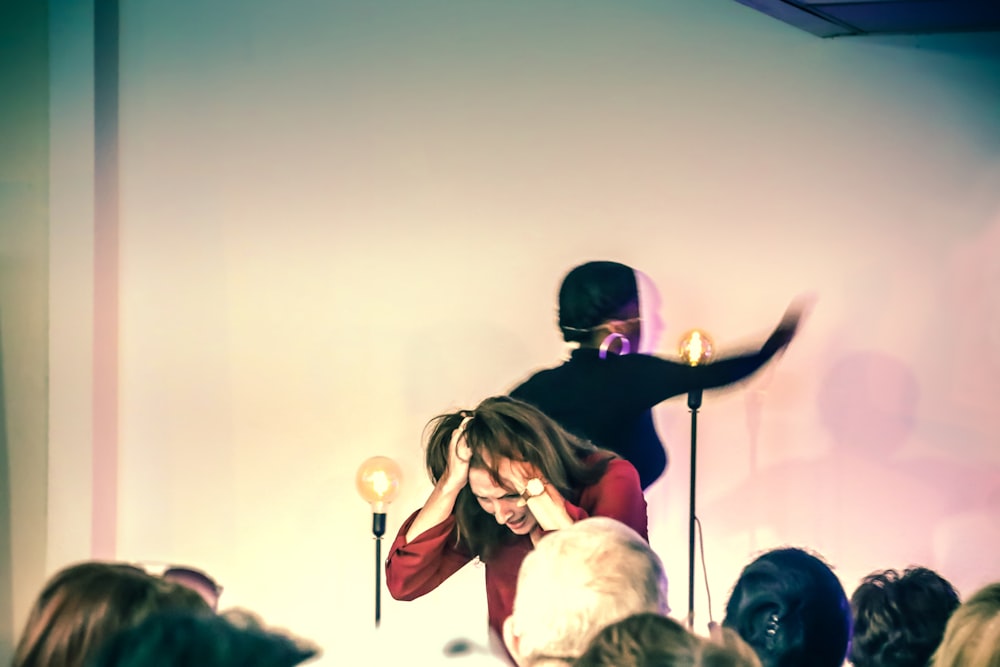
791,608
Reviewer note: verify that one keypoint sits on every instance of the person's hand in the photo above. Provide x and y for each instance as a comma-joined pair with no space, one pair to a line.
457,474
517,473
797,311
549,508
441,503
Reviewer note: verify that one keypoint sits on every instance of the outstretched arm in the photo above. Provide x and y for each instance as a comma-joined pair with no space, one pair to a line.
735,368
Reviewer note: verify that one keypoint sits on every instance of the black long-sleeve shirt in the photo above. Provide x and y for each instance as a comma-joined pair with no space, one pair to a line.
609,401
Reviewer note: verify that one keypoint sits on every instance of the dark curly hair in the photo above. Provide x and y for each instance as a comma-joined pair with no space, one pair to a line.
899,620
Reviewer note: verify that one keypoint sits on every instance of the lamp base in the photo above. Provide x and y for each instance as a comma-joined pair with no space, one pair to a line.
378,524
694,398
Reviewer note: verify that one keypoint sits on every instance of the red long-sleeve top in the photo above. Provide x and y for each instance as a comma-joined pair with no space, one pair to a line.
415,568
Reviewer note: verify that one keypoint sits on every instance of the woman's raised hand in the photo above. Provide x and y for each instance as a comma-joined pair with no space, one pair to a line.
441,503
797,311
457,474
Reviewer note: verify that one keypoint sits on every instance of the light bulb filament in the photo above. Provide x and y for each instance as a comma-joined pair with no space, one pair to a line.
381,484
695,347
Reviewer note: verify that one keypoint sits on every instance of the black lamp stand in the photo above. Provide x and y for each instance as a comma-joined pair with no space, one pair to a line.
694,402
378,529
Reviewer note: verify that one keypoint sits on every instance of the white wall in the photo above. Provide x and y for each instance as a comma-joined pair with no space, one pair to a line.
24,321
339,219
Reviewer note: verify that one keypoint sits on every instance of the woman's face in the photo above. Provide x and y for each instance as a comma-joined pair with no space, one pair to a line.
505,505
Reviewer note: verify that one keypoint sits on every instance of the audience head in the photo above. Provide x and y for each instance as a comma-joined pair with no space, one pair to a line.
576,581
791,608
599,298
179,639
972,636
899,619
502,431
641,640
727,649
83,605
655,640
197,581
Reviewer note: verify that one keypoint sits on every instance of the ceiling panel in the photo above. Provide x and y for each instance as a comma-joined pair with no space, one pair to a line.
836,18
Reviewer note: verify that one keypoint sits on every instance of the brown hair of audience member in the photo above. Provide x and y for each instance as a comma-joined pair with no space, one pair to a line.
654,640
235,638
83,605
640,640
972,636
727,649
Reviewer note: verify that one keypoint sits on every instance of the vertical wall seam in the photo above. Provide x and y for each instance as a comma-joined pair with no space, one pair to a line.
104,522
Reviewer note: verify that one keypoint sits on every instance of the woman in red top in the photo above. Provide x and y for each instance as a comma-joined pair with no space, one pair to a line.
504,474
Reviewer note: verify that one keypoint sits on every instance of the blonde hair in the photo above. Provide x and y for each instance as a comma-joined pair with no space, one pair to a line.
580,579
972,636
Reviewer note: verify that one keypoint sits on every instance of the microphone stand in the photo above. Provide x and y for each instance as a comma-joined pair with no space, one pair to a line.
694,402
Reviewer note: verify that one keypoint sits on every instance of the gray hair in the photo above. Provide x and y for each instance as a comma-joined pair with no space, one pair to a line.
579,580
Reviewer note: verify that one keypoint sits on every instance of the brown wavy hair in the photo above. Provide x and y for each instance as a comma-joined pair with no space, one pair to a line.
647,639
504,427
84,604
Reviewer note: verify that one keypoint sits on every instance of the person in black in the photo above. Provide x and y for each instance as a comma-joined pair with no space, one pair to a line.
605,394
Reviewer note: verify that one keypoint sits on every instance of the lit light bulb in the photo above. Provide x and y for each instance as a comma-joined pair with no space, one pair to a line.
696,347
378,481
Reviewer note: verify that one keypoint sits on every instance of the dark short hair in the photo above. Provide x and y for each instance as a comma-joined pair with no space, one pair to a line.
791,608
899,620
594,293
176,639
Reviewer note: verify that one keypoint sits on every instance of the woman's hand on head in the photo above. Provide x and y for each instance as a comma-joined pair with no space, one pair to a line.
441,503
459,453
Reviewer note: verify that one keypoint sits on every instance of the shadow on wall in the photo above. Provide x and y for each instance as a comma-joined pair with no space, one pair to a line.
968,383
6,541
870,501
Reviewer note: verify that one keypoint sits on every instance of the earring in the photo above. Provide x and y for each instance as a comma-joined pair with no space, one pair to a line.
626,347
771,631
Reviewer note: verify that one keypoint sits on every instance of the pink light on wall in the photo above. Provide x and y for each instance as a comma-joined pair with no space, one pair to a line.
104,519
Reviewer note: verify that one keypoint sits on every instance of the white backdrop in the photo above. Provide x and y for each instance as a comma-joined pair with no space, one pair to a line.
340,219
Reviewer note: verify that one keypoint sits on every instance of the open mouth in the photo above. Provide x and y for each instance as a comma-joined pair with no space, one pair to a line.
516,525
